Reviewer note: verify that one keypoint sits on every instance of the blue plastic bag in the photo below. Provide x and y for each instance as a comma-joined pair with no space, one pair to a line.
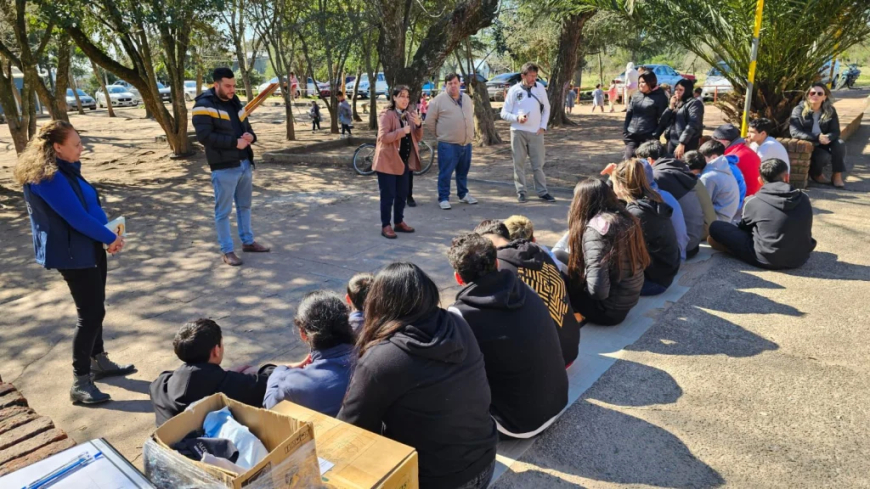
220,424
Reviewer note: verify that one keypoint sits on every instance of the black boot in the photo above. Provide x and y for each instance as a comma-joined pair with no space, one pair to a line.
101,367
84,391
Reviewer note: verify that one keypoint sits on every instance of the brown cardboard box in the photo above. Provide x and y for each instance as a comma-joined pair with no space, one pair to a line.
291,462
363,460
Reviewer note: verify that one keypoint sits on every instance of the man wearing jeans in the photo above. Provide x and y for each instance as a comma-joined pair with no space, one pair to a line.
527,108
451,114
226,134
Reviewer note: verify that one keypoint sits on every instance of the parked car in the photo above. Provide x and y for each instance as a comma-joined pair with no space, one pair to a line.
189,90
716,83
165,92
87,101
429,88
325,88
119,95
462,80
498,85
363,91
130,88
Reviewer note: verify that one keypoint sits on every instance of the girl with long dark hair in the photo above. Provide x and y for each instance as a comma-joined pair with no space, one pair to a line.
397,154
420,380
685,119
607,255
815,120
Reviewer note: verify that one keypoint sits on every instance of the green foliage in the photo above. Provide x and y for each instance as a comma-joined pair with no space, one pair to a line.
797,38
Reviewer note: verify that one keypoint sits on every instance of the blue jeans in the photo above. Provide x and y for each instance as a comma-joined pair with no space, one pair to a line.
453,157
233,184
651,288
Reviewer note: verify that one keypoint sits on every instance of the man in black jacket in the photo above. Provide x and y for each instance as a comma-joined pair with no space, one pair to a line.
537,269
199,345
224,130
512,325
777,227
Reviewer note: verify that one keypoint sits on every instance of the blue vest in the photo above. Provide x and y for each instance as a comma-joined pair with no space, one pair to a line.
56,244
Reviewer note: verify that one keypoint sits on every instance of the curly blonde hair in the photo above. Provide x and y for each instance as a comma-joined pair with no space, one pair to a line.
38,161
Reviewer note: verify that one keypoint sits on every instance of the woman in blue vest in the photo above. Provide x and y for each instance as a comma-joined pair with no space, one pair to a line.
69,231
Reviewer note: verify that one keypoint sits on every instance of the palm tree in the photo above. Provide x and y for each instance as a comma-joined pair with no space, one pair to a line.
798,38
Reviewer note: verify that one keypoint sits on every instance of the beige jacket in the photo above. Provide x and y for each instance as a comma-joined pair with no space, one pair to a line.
452,124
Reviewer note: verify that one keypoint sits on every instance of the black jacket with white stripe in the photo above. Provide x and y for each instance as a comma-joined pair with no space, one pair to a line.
219,125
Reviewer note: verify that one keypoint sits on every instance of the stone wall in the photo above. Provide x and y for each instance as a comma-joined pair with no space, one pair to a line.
799,153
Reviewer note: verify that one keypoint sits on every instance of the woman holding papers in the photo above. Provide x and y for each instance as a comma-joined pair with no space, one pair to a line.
69,234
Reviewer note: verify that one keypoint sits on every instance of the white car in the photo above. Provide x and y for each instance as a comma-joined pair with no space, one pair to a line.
716,83
120,96
310,88
189,90
363,92
130,88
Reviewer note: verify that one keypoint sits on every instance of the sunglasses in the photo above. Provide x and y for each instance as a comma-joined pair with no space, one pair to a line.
817,93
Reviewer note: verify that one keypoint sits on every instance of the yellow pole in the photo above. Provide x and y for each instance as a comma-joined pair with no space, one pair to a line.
759,8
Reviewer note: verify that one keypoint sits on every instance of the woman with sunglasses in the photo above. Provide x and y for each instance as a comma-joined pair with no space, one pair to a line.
815,120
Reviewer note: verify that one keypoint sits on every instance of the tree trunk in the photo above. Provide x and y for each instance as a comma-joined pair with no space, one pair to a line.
75,89
62,76
199,76
18,125
288,107
356,116
103,83
485,133
563,68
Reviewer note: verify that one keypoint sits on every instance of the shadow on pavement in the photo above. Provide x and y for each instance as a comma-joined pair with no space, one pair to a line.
640,385
827,266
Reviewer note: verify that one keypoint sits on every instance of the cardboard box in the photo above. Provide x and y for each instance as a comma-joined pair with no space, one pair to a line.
363,460
291,462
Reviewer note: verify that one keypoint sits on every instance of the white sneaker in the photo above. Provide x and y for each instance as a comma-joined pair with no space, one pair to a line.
468,199
445,205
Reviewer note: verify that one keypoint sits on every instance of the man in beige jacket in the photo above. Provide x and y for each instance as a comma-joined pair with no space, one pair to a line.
451,115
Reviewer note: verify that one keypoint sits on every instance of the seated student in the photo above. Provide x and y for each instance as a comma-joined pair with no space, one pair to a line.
513,328
712,166
357,291
677,219
777,227
540,272
520,227
420,380
200,346
766,147
642,202
674,177
747,160
606,255
321,382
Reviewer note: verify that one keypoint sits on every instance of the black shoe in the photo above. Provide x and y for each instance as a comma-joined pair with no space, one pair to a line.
102,367
84,391
547,197
411,202
521,198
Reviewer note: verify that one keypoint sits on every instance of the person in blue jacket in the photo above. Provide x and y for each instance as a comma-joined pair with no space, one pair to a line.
69,233
321,380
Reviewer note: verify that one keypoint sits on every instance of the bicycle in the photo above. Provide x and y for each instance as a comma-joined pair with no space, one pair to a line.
365,154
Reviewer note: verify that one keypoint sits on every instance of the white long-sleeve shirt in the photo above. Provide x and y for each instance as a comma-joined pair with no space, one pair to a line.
518,100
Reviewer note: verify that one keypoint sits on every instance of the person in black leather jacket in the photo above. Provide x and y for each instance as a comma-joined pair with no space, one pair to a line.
684,119
643,119
815,120
607,255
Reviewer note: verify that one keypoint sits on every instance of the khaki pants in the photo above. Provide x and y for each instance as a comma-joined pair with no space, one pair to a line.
528,144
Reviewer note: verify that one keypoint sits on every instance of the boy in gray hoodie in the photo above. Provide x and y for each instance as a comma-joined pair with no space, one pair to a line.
712,165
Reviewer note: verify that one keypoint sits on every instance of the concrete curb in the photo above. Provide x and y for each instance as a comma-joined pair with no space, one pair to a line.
853,126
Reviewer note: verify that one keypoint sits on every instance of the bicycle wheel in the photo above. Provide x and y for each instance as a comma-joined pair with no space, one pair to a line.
427,156
362,159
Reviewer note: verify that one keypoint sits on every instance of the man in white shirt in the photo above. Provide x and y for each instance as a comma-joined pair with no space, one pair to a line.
766,147
527,108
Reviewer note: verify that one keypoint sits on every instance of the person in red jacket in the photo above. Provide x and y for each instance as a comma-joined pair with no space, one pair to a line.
748,160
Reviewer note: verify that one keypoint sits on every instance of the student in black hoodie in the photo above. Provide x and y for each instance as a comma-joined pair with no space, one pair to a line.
674,176
777,227
513,327
537,269
643,118
420,380
642,202
199,345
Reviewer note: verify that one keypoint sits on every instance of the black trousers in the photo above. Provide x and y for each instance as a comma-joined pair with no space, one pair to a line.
632,142
410,184
824,154
394,193
738,241
88,289
315,124
690,146
346,127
